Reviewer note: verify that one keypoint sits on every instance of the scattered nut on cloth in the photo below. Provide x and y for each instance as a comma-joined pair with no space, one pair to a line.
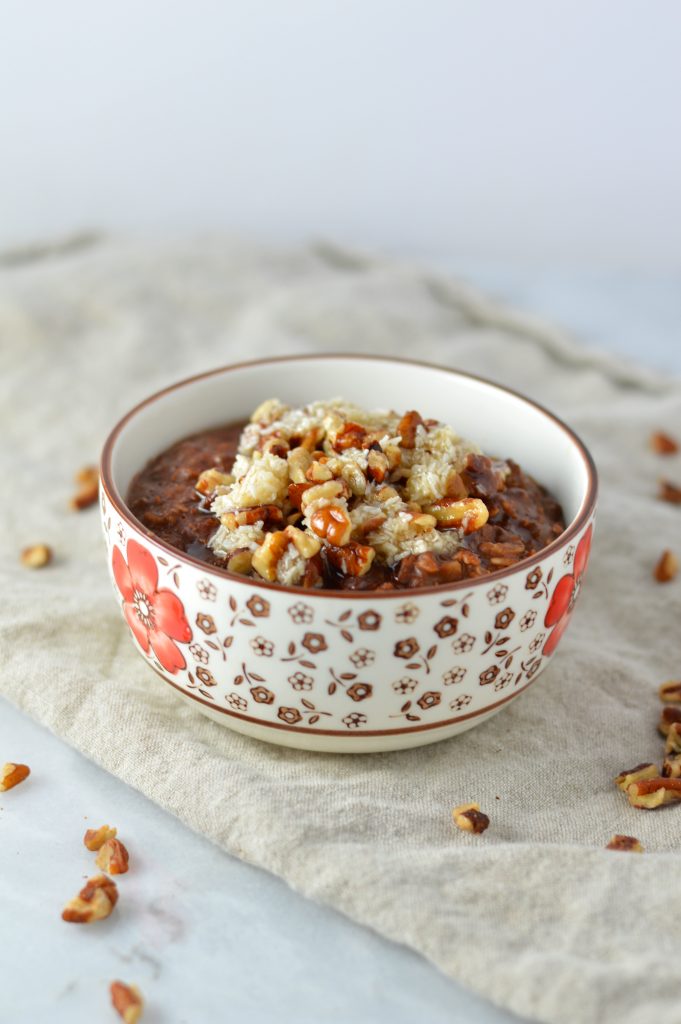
535,914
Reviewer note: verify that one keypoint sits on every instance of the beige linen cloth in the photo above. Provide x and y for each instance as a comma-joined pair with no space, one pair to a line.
534,914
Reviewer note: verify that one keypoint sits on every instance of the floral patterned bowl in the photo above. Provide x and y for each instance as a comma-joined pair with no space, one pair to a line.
340,671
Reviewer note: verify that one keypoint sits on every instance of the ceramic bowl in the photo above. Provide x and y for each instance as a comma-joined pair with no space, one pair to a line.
339,671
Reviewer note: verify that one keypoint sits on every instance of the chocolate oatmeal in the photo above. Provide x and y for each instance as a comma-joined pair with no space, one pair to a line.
336,497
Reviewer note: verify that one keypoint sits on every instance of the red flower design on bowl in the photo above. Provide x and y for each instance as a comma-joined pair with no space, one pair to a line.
156,617
565,595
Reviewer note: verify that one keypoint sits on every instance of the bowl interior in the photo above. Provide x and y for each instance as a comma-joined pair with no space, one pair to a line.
502,423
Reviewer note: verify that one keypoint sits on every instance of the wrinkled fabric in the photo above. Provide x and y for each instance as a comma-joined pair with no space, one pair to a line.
534,914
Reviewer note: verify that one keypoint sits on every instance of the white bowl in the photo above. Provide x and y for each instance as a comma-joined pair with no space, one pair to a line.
347,671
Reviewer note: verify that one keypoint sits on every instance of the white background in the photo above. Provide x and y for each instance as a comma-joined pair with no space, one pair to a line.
431,129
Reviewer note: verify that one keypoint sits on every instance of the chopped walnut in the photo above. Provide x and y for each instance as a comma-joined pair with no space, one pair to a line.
13,775
127,1001
113,857
469,818
671,766
87,493
663,444
628,844
670,692
630,775
95,838
651,793
36,556
673,744
667,567
95,901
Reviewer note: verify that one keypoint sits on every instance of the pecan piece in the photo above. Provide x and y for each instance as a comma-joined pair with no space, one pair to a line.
266,557
88,488
671,767
94,902
469,818
651,793
333,524
673,744
407,428
670,692
209,481
240,561
669,492
127,1001
647,770
378,464
113,857
352,559
668,717
13,775
351,435
667,567
268,514
36,556
296,492
663,444
629,844
95,838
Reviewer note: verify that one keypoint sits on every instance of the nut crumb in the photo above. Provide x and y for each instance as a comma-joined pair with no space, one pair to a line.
663,444
628,844
94,902
669,716
667,567
95,838
113,857
12,775
36,556
670,692
669,492
126,1001
647,770
651,793
88,488
469,818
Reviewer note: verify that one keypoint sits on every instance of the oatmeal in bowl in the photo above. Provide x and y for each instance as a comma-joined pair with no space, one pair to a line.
362,573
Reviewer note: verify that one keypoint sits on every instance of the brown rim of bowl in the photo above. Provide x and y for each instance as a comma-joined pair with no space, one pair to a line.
580,520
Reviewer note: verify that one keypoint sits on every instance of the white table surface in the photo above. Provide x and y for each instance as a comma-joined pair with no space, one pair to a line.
207,937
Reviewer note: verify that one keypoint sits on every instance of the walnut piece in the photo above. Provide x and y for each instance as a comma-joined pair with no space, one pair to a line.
468,514
670,692
113,857
673,744
95,838
87,493
94,902
647,770
127,1001
667,567
651,793
209,481
671,766
628,844
332,523
13,775
469,818
663,444
36,556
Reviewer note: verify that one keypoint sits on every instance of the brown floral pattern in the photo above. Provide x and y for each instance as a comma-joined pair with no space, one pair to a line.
261,695
497,594
369,620
301,613
429,700
300,681
528,620
447,626
206,623
463,644
454,675
205,677
207,590
503,681
533,579
314,642
405,685
289,715
354,720
489,675
459,703
359,691
407,613
262,647
406,648
237,702
258,606
537,642
199,653
362,657
504,619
